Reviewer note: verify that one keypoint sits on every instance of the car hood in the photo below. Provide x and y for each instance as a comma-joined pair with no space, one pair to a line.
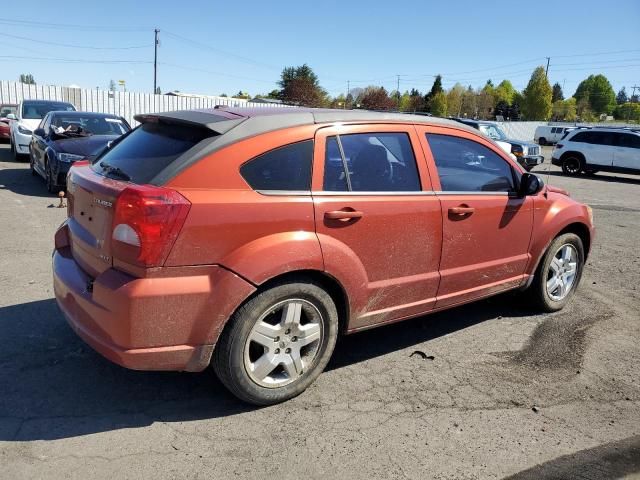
86,146
30,123
521,142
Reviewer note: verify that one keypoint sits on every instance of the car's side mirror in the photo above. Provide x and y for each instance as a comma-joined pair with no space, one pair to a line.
530,184
39,132
11,116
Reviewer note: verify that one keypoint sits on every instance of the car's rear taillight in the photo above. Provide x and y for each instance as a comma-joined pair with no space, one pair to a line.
559,145
146,223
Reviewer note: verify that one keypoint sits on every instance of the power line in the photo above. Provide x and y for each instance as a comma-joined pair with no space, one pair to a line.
221,52
72,60
64,26
197,69
73,46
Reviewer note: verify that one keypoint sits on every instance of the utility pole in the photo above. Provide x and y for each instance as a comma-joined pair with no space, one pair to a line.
398,95
155,61
546,72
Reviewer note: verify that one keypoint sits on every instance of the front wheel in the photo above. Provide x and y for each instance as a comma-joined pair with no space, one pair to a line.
51,186
558,274
571,166
277,343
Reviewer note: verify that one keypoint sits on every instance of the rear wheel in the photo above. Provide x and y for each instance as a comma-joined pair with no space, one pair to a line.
542,141
571,165
558,274
277,343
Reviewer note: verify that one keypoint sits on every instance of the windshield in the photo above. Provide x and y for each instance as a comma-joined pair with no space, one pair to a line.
88,125
7,109
37,111
493,131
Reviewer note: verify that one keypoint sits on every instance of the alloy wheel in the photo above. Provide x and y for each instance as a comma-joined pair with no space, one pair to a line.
571,166
562,272
284,343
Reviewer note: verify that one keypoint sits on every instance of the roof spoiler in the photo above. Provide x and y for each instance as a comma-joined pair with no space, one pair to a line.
217,123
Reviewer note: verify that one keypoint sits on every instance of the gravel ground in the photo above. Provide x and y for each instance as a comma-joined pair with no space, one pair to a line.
508,393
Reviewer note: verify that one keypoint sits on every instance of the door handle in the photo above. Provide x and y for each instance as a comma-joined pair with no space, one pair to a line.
343,214
461,210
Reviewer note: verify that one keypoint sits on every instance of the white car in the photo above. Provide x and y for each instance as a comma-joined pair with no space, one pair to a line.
549,135
27,118
599,149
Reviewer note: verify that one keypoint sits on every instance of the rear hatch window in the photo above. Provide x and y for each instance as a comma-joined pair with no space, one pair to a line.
145,152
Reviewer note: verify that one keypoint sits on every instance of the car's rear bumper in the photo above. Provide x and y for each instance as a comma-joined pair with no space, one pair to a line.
161,323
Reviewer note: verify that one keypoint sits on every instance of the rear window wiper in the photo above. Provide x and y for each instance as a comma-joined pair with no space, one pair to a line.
116,171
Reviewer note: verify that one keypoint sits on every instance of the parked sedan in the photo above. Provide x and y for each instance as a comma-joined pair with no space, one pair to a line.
65,137
7,115
249,239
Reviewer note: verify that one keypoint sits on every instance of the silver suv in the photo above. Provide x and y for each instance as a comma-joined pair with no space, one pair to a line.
596,149
527,154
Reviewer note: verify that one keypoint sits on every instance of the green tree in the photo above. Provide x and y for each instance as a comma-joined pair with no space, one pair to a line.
469,107
27,78
439,104
405,102
622,96
557,93
416,101
274,94
598,90
454,100
537,96
435,88
300,86
565,110
486,100
627,111
504,92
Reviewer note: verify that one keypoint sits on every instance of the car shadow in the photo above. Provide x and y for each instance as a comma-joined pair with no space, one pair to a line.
600,177
20,181
54,386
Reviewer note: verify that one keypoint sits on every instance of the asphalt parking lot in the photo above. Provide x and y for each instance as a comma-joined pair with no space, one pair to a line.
503,392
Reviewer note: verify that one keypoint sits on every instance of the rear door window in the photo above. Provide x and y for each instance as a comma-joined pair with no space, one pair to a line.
467,166
146,151
372,162
286,168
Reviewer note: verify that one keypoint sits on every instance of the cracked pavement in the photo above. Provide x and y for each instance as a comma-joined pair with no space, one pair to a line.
509,393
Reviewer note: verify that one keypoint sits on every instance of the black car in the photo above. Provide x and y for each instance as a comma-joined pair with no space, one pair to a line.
65,137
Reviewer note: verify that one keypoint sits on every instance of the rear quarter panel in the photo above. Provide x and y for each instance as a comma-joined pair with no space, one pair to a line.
258,236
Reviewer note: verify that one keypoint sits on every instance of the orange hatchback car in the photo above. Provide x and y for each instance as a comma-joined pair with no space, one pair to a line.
249,239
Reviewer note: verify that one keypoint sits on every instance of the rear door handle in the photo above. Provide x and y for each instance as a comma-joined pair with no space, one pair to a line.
462,210
343,214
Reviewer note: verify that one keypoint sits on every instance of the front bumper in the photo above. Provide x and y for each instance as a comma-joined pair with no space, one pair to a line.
60,171
21,142
531,160
169,322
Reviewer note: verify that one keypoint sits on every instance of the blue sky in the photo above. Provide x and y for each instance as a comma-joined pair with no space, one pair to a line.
244,45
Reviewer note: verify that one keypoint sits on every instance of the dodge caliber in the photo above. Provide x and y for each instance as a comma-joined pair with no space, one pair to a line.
250,239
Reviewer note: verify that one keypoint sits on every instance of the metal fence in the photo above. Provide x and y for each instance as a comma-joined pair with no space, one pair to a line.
124,104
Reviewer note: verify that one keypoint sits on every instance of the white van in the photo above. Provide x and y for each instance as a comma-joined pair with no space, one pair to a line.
549,135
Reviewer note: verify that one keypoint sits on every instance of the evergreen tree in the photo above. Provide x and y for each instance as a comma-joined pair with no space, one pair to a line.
622,96
557,93
537,96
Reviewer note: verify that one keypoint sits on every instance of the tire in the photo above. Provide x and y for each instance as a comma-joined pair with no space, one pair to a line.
254,355
542,292
571,165
542,141
31,167
51,187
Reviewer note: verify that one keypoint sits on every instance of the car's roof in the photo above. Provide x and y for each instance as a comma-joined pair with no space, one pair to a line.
261,120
